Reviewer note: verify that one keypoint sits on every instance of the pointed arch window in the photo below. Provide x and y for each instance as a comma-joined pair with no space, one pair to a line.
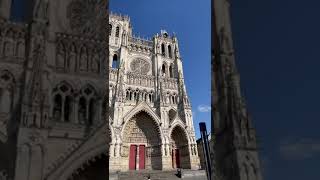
7,84
110,29
115,61
57,109
91,112
170,51
163,70
63,103
117,31
163,51
67,109
171,71
82,111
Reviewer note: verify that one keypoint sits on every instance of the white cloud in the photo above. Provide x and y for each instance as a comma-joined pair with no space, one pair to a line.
204,108
299,149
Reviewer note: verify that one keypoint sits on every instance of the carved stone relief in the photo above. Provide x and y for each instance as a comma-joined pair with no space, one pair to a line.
86,17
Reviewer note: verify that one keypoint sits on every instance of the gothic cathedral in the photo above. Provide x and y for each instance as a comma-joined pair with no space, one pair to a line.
151,118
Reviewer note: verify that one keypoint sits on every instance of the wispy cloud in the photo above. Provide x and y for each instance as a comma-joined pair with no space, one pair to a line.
299,149
204,108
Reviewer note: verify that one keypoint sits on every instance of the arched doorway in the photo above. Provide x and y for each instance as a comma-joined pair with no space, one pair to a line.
94,164
96,168
180,149
142,143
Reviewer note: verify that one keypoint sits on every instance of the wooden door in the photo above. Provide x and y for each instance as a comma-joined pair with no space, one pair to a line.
132,157
142,157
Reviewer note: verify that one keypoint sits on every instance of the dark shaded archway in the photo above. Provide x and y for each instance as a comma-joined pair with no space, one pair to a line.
96,168
180,149
143,130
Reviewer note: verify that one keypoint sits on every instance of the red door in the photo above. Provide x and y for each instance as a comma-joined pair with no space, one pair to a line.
132,157
177,156
142,157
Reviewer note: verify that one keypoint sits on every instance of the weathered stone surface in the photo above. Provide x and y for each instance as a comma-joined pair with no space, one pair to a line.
234,139
149,102
52,91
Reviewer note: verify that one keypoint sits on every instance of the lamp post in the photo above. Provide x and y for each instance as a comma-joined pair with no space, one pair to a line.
206,148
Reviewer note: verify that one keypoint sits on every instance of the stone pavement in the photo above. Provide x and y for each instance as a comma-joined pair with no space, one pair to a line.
158,175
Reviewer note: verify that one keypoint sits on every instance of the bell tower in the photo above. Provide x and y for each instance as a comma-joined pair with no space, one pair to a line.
235,148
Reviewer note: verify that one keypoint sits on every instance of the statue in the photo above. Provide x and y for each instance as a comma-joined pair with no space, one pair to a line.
124,36
41,9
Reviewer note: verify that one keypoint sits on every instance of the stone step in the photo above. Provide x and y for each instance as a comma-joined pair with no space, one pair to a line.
154,175
158,175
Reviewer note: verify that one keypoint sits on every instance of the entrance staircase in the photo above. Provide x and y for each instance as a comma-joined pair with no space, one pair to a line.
158,175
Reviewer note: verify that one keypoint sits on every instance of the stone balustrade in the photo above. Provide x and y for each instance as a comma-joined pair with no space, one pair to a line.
140,80
170,83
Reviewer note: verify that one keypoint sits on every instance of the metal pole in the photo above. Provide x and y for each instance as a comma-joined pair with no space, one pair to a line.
206,148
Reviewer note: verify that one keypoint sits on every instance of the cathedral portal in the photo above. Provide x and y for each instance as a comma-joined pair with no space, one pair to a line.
142,143
96,168
180,149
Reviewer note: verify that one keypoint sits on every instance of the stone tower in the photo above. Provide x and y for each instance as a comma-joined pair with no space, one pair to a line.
236,154
53,90
151,118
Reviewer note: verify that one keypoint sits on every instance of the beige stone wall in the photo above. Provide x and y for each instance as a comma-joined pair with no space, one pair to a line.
149,79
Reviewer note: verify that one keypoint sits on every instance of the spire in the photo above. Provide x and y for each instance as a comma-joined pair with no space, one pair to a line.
233,131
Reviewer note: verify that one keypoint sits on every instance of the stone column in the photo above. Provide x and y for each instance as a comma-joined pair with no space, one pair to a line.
35,171
163,149
111,150
22,162
196,149
168,149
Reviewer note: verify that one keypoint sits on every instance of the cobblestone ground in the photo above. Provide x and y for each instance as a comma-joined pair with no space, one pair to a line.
154,175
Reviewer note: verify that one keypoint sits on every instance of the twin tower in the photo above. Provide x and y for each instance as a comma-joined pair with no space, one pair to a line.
150,110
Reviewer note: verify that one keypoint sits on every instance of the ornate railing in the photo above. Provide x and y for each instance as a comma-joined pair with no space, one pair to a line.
140,41
140,80
170,83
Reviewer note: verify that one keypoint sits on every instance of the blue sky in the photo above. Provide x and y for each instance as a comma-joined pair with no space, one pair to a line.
277,48
148,17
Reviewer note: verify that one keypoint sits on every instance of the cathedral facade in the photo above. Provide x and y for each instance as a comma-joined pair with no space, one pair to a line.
53,90
150,112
